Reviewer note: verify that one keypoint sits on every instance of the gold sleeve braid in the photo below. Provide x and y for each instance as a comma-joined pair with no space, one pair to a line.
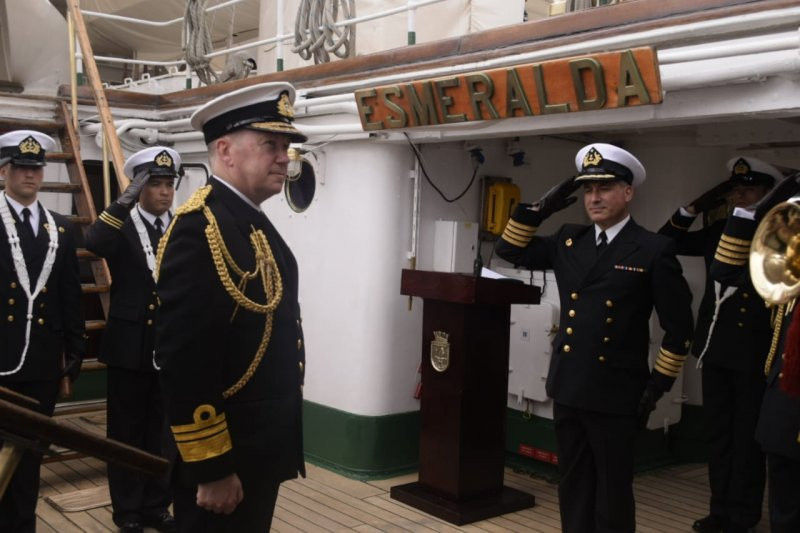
265,267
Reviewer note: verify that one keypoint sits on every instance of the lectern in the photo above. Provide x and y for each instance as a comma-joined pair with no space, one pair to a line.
465,327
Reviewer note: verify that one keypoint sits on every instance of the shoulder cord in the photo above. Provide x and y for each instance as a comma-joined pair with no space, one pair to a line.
22,269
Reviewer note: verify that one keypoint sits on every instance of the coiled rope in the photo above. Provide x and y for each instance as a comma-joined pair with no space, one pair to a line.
197,41
316,33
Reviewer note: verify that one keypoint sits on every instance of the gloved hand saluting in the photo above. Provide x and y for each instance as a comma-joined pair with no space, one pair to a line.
131,193
647,405
785,189
556,199
710,199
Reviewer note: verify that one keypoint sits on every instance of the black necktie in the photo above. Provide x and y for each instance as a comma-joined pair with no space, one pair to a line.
603,242
159,227
27,237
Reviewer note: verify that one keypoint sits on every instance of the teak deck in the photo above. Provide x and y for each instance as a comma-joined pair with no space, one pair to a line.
667,500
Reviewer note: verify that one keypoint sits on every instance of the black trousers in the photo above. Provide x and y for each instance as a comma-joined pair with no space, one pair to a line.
136,417
18,506
252,515
784,494
736,465
595,460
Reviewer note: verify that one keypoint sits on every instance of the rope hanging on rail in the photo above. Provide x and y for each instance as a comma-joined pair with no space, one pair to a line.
316,33
198,41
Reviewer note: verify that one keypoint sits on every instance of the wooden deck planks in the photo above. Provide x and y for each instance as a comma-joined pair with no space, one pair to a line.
668,501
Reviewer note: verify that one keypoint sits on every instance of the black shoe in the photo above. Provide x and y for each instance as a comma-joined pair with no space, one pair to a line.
132,527
163,522
710,524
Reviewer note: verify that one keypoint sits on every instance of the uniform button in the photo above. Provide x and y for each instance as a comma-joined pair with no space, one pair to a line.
301,365
609,320
780,375
10,318
571,313
569,331
154,293
609,303
742,310
13,284
567,348
41,306
298,322
41,321
11,301
151,307
574,295
740,325
44,290
745,295
601,358
606,339
783,356
299,343
149,322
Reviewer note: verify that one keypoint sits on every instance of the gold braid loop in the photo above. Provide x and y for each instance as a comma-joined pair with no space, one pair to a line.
195,202
776,337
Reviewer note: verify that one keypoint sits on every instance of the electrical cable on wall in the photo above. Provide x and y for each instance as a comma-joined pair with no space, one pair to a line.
477,160
316,33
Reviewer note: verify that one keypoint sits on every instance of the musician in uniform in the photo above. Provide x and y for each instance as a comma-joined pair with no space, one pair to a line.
41,327
778,429
731,341
126,234
610,275
229,339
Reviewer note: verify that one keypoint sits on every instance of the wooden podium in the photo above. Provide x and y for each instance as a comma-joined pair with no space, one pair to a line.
465,326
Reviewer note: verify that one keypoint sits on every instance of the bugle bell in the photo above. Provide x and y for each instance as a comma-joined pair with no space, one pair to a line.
775,253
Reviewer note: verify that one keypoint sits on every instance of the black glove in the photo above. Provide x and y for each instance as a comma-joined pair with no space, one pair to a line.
131,193
72,366
646,405
714,197
785,189
557,198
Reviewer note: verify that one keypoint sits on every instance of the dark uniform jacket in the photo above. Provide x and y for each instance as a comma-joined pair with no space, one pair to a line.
57,324
742,331
129,337
600,353
206,342
778,429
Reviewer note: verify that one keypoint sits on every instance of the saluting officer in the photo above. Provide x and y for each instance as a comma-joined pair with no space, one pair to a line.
610,275
127,234
40,304
778,429
731,341
229,339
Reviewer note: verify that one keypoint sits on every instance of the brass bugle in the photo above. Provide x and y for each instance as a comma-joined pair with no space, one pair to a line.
775,253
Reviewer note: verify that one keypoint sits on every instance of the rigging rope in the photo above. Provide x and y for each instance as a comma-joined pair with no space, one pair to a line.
316,33
198,41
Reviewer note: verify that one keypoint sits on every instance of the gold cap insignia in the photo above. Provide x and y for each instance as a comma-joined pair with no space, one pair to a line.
568,242
741,168
29,145
440,351
163,159
285,106
592,158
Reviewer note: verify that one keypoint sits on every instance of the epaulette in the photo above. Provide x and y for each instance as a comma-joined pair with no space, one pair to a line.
196,201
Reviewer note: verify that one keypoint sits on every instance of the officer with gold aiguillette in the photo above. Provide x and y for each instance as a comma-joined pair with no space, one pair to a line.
40,304
610,275
229,338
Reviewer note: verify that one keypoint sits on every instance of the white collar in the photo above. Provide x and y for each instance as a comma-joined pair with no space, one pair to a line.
34,209
151,218
238,193
612,231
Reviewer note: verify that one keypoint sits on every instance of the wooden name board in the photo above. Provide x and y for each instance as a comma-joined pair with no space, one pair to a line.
598,81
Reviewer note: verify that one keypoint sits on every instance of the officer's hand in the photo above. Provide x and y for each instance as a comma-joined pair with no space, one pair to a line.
131,193
557,198
72,366
785,189
710,199
220,496
646,405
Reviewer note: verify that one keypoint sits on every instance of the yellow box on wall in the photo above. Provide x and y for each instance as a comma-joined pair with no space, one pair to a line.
501,199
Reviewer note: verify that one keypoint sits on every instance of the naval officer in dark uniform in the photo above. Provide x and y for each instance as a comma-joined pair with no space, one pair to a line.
731,341
778,429
41,316
610,275
229,338
127,234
